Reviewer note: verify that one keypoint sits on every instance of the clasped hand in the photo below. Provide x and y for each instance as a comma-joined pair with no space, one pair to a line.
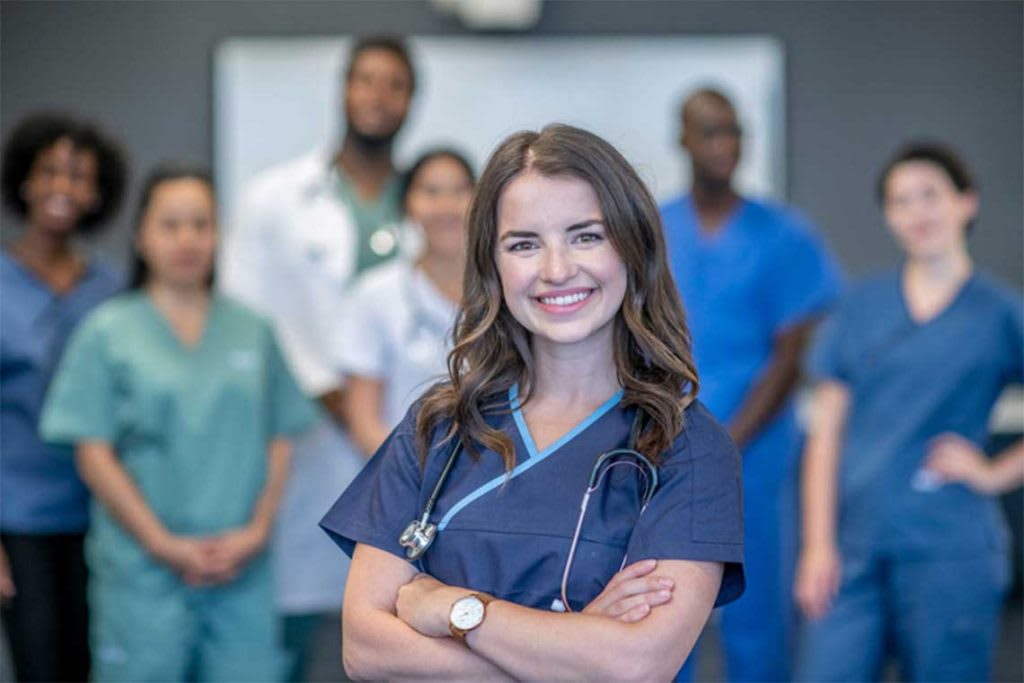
424,602
210,560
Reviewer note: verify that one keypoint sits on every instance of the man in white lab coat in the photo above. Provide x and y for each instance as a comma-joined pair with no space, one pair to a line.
304,230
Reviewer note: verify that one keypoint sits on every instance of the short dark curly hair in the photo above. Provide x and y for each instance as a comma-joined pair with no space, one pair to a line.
393,44
37,132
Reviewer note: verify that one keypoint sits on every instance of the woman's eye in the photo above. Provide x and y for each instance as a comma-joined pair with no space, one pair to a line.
521,246
588,237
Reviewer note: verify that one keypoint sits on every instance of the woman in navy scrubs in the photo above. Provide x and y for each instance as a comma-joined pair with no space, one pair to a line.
63,179
568,329
903,537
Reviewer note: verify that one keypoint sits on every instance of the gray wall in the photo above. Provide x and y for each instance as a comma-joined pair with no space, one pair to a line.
862,77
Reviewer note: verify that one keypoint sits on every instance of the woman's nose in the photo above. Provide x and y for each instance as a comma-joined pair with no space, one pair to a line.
557,265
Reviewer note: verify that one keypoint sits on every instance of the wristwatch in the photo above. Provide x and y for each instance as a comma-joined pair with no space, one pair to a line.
466,614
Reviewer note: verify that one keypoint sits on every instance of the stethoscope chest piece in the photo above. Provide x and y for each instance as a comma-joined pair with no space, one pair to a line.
417,538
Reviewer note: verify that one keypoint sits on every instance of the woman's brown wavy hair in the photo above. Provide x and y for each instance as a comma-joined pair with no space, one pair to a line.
491,350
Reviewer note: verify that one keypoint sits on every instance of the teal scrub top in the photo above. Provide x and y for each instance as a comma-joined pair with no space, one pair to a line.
190,425
381,213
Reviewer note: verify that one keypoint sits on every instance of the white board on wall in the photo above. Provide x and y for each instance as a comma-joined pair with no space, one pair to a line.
276,98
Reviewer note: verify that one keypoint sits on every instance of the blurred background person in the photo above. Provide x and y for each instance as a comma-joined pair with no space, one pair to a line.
62,178
305,229
180,408
398,324
903,533
754,277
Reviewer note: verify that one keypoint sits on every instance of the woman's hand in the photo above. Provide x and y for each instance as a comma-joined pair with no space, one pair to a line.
956,459
817,580
187,556
632,593
229,552
425,604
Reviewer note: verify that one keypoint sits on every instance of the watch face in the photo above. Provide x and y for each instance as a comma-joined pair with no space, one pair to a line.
467,612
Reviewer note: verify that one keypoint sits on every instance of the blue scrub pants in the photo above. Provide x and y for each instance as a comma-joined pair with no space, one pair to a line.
939,615
757,630
152,627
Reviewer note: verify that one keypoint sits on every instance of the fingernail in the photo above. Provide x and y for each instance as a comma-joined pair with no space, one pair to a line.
663,595
649,563
667,583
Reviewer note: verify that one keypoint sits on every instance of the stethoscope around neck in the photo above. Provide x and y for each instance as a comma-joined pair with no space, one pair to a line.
420,534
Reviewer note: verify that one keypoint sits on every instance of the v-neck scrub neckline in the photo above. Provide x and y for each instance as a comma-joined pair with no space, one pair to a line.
527,437
901,294
533,457
172,334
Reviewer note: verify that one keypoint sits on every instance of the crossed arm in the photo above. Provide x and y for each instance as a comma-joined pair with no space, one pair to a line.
642,626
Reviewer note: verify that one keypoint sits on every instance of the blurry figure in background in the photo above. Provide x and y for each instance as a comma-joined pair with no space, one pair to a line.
902,529
181,409
61,178
398,324
305,229
754,278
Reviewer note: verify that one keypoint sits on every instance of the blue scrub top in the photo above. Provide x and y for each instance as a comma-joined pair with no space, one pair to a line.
910,382
509,535
40,491
764,271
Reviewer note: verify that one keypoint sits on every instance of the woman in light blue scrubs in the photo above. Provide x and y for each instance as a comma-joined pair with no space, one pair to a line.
63,179
399,315
180,409
904,542
569,330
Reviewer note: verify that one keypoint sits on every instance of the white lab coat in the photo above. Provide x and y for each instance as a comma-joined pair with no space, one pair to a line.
398,331
289,254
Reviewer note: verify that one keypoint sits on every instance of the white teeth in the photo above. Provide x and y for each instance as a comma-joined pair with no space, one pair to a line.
564,300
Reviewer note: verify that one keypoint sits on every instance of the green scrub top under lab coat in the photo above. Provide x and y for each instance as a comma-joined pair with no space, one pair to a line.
190,425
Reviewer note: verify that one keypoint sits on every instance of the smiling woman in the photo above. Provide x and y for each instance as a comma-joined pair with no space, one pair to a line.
570,342
62,178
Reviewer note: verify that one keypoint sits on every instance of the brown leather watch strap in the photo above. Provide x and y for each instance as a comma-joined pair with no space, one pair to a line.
460,634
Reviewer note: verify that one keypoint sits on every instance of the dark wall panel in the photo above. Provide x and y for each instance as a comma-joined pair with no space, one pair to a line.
862,77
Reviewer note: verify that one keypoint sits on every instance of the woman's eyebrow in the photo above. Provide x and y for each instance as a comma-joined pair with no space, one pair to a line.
518,234
585,224
527,234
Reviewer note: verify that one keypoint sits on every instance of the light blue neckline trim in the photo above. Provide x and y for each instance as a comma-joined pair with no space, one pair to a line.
531,448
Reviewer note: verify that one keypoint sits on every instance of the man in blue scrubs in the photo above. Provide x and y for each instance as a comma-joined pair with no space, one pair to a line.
754,277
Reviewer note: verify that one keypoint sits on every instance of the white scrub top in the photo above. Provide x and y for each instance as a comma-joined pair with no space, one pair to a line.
398,331
289,255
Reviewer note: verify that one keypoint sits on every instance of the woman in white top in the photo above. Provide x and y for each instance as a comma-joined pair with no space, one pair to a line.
400,314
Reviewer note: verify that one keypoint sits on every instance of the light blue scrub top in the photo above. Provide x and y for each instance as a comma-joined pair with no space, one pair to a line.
190,425
40,491
509,536
764,271
909,383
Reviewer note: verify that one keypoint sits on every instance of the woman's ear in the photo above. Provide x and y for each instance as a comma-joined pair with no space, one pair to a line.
970,205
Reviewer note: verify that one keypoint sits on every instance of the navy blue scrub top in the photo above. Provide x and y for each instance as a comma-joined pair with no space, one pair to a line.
40,491
910,382
509,535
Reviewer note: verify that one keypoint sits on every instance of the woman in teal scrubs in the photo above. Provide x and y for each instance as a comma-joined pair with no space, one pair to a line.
180,408
903,541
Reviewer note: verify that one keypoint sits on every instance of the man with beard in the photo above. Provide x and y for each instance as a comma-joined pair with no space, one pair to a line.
754,277
305,229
